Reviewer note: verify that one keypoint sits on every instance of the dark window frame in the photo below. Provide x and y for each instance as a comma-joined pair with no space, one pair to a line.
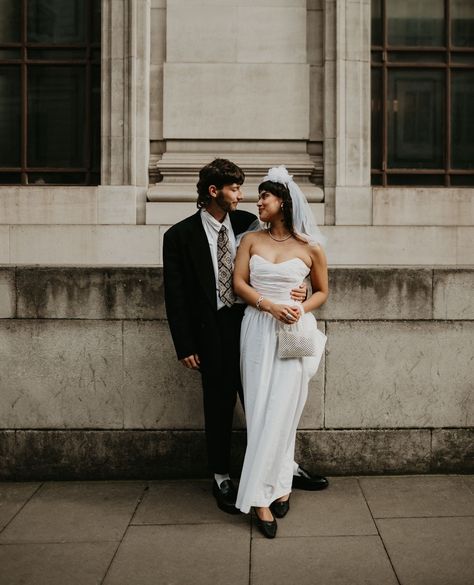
381,59
90,61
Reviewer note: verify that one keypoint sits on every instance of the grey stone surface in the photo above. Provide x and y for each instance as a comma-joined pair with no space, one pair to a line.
90,293
338,510
343,452
399,374
12,497
453,450
358,560
378,293
430,551
469,481
453,294
417,496
109,454
178,502
199,554
7,293
313,413
55,564
75,512
60,374
159,392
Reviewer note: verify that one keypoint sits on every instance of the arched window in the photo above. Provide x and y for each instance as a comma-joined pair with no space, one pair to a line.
423,92
50,92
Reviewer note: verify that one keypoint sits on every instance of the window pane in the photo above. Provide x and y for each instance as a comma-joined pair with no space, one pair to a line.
466,58
56,178
56,21
10,28
462,180
56,121
95,119
416,57
462,119
57,54
462,22
377,32
415,119
10,120
376,122
10,178
419,180
96,21
10,53
415,22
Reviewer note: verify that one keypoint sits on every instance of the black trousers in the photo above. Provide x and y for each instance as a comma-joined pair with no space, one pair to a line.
221,384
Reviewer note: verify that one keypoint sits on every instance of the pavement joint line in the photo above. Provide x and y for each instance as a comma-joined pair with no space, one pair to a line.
378,532
21,507
426,517
185,524
139,501
29,542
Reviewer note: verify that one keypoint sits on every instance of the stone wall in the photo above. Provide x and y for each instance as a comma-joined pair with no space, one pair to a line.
91,388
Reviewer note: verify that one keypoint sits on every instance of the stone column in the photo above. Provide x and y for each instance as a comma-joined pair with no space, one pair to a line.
236,84
347,112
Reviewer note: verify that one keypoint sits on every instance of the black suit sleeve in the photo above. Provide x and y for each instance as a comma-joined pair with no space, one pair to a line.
177,297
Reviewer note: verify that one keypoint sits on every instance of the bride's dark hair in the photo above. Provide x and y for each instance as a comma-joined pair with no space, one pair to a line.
282,192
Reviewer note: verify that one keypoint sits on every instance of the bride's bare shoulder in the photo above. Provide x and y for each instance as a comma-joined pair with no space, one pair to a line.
252,237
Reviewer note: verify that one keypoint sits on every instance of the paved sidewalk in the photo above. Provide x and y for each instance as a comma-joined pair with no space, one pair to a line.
408,530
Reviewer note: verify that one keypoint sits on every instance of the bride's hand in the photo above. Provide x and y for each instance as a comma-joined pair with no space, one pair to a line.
285,313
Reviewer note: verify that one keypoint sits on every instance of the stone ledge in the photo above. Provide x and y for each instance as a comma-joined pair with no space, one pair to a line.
27,455
356,293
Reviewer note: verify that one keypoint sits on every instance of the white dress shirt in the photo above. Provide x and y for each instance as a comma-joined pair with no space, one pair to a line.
212,228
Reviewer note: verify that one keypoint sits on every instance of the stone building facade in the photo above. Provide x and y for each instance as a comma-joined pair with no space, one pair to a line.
90,383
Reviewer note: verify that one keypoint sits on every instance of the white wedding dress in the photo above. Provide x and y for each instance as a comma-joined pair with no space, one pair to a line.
275,390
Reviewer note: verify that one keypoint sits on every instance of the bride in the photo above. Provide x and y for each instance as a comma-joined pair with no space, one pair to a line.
269,263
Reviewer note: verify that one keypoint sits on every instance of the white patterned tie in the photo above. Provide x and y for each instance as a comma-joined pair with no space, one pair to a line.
224,266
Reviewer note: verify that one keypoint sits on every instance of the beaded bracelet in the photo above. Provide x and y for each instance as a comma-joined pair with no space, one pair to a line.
257,304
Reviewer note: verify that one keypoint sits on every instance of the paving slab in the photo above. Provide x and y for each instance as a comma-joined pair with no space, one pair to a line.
417,496
338,560
469,481
336,511
182,502
12,497
430,551
216,554
55,564
75,512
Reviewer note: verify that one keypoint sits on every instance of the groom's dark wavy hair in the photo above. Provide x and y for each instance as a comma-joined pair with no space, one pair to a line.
282,192
219,172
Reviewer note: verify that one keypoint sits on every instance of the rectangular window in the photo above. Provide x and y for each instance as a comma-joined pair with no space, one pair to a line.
422,92
50,92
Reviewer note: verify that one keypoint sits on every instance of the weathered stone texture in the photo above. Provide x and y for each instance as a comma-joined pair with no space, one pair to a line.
90,293
453,450
365,451
159,393
60,374
399,374
453,294
378,293
7,293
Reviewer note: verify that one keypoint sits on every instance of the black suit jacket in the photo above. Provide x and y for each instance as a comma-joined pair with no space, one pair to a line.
190,285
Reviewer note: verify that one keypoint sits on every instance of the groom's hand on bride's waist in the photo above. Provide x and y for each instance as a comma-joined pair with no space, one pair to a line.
299,294
192,362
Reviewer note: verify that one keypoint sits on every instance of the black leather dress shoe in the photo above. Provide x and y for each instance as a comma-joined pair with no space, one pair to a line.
225,496
308,482
267,527
280,509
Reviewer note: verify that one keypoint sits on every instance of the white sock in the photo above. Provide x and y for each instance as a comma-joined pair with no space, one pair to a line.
220,477
296,468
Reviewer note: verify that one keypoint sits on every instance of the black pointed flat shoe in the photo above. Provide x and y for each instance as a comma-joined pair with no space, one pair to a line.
280,509
267,527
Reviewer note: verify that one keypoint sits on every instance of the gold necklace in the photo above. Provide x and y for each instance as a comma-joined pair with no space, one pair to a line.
276,239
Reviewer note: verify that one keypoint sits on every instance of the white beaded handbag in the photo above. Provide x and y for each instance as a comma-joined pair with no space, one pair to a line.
297,341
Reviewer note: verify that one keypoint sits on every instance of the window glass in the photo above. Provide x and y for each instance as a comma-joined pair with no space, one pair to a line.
415,22
10,27
57,21
462,23
10,121
462,119
415,119
376,125
56,121
377,31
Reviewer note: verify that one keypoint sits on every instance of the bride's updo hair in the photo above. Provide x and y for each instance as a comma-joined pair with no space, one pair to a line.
281,191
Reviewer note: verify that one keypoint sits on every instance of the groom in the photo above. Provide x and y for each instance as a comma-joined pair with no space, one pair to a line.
204,316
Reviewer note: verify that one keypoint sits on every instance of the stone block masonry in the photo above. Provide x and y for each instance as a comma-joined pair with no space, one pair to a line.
91,387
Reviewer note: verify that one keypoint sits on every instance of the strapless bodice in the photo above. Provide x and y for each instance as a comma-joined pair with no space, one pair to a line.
275,280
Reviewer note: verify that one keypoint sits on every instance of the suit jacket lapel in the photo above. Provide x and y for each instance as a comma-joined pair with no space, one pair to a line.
201,257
